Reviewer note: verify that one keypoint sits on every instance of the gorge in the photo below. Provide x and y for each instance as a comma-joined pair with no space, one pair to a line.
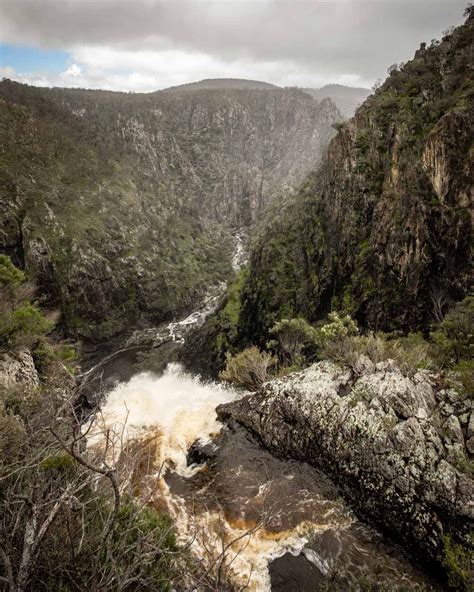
236,335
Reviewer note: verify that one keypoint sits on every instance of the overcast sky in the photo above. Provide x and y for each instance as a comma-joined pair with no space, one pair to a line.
144,45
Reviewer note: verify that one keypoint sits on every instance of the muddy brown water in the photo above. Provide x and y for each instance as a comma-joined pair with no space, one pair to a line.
249,487
294,531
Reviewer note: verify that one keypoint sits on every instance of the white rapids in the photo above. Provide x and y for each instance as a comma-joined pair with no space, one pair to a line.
176,330
180,409
165,415
180,406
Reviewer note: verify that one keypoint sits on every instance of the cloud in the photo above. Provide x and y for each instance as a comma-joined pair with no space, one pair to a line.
112,69
74,71
306,42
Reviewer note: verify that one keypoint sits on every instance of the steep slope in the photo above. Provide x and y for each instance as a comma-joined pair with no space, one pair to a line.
383,229
121,206
347,98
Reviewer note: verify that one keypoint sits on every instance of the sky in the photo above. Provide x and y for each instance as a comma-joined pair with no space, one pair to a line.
145,45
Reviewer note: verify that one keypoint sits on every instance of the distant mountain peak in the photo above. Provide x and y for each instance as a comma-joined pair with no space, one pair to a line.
222,83
347,98
343,88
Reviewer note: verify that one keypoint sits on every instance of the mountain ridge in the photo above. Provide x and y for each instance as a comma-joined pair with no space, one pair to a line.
347,98
219,83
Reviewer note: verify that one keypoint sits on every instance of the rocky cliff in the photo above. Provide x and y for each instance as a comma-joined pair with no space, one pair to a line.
121,206
394,443
383,229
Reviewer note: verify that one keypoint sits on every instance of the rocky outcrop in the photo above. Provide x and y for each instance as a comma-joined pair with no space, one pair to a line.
17,369
122,206
398,446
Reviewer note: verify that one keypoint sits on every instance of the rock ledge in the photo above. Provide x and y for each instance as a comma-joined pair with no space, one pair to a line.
397,445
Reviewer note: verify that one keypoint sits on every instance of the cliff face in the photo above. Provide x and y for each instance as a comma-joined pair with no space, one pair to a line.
392,442
121,206
383,228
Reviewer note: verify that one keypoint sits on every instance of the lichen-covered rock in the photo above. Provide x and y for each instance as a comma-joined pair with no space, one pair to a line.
470,426
453,430
382,436
18,369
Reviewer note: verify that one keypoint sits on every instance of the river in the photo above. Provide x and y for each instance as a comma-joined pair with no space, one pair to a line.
258,521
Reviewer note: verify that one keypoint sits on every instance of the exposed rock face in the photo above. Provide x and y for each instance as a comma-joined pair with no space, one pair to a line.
121,205
395,444
346,98
18,369
383,229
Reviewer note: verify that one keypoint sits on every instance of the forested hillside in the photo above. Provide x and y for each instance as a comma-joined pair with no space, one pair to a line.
229,83
382,230
121,206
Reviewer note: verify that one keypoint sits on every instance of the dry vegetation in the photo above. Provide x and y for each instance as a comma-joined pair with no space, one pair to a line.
448,349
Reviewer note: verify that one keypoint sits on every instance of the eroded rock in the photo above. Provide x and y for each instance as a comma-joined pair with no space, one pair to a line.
386,442
18,369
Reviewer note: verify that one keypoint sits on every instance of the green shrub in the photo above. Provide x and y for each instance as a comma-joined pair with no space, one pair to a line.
295,340
66,353
458,563
249,368
146,520
23,325
338,327
43,355
143,528
342,350
50,357
10,276
410,354
413,353
462,377
454,336
61,462
21,322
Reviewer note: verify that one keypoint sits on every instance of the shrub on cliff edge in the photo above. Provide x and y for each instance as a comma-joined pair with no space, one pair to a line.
250,368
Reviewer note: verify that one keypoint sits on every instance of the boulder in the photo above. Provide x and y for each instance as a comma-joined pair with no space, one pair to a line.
382,436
